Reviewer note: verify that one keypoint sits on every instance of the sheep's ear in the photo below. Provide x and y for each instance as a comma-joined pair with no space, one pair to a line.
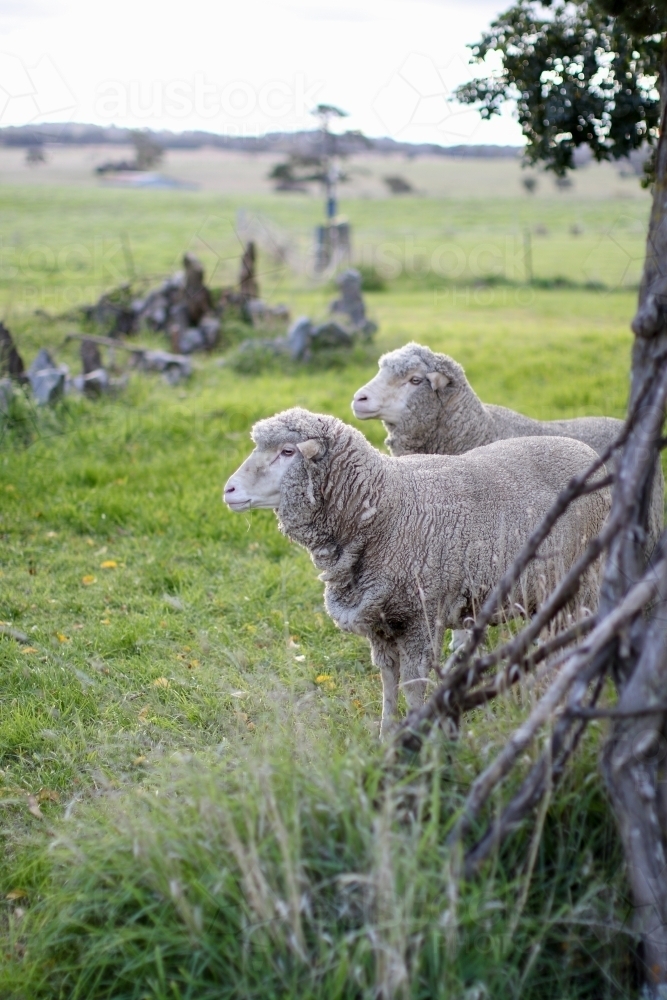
437,380
310,449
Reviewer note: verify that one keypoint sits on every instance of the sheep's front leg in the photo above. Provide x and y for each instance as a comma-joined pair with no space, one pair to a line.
385,656
420,651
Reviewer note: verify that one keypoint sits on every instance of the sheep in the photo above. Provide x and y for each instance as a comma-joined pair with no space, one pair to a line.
411,546
428,407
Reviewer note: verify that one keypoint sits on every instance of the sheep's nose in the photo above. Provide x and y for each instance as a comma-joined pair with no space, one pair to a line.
360,397
229,489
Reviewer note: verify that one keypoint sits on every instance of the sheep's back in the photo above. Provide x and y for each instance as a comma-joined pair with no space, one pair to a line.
464,518
596,432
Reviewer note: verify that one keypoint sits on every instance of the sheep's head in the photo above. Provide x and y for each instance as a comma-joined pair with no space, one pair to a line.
283,443
411,380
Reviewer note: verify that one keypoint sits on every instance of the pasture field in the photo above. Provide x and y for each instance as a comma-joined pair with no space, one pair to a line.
193,800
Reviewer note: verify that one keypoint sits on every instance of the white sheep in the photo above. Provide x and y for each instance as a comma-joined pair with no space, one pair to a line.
428,407
411,546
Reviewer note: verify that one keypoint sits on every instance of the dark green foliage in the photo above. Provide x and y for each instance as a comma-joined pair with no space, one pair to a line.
578,74
371,279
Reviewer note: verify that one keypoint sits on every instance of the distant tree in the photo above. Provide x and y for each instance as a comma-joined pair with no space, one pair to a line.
579,73
35,155
148,152
320,164
297,171
398,184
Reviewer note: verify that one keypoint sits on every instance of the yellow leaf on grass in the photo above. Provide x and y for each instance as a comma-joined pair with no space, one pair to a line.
16,894
47,795
192,664
61,637
144,712
10,489
88,579
105,621
322,678
139,760
160,682
108,564
29,649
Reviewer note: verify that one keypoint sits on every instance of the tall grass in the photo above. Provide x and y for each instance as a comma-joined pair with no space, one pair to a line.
301,867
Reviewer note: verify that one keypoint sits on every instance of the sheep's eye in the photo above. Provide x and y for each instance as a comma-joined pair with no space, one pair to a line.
287,452
416,380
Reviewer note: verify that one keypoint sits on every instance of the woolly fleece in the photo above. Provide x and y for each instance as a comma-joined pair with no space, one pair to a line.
409,547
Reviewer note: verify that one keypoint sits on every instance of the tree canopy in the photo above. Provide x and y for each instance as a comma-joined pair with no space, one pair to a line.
580,73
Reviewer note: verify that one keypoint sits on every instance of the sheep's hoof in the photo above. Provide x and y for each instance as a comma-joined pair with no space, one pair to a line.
459,636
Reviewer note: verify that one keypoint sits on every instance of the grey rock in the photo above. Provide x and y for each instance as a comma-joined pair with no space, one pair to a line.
173,374
299,337
94,383
210,327
248,279
331,334
190,340
6,394
11,362
174,367
260,312
42,362
197,297
47,380
91,359
350,303
47,385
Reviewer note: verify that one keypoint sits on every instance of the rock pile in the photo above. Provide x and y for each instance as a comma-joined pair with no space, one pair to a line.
48,381
182,307
305,336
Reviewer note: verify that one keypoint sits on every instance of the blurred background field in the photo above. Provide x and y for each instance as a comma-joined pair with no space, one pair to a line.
67,235
239,173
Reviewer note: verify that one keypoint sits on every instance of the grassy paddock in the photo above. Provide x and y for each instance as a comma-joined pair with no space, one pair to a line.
193,798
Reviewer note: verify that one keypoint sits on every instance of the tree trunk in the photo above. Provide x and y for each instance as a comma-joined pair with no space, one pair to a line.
634,760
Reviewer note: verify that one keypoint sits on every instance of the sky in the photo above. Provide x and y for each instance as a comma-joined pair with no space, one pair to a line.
246,67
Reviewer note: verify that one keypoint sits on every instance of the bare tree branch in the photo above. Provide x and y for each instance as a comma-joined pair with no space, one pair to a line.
604,633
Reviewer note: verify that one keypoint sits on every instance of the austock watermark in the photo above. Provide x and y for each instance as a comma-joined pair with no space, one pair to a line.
101,258
30,93
446,260
276,100
420,96
56,277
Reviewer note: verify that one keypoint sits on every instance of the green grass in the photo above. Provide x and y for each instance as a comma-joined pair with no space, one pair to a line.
199,738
